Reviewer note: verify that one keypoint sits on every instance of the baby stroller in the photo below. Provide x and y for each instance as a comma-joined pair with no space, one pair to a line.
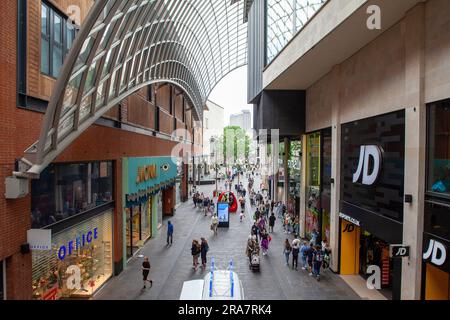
254,260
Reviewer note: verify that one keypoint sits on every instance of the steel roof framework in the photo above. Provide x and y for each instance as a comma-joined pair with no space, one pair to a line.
124,45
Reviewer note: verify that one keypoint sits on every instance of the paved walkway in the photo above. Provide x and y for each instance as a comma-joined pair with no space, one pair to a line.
171,266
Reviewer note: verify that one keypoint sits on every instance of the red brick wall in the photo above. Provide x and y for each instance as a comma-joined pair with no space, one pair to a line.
14,214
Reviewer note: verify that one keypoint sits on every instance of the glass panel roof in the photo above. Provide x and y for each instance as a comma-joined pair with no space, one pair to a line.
284,19
124,45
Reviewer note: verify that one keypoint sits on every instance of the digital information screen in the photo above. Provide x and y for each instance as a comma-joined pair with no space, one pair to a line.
223,214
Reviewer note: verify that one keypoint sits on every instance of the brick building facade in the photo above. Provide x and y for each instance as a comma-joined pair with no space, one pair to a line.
140,126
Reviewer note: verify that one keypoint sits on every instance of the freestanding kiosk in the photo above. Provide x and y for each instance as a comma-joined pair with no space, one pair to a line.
223,214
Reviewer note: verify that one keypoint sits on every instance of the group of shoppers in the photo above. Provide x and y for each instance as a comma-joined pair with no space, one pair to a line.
312,256
199,248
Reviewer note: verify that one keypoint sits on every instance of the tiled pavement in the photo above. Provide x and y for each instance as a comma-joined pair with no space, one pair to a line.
171,266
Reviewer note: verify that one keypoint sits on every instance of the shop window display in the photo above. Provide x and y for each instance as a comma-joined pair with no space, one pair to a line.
79,263
138,226
65,190
439,148
313,183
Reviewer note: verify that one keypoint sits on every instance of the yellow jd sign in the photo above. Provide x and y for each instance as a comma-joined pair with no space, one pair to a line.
146,173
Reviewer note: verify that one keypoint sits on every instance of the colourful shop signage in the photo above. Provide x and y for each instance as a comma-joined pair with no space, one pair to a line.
146,173
145,176
78,243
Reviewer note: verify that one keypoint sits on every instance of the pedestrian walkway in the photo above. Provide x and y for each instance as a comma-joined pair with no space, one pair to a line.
171,266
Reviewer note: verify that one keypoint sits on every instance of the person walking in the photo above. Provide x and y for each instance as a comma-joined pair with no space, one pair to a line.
303,254
295,252
265,241
195,251
310,257
262,223
214,224
145,271
252,246
169,232
194,199
317,262
272,222
287,251
314,236
255,230
296,226
279,210
204,248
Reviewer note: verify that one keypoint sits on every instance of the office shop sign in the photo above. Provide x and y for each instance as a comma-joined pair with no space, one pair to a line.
435,251
78,243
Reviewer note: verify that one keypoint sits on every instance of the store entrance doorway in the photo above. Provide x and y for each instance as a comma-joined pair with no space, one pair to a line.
375,251
138,226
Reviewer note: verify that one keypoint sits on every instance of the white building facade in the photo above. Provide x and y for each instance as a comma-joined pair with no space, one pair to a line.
213,124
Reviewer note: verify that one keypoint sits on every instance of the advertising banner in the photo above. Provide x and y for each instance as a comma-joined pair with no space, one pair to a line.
223,214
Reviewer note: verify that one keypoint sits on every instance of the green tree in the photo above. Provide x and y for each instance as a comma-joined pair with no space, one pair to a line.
236,145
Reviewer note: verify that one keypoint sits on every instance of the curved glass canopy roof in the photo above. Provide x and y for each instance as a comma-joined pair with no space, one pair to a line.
284,19
124,45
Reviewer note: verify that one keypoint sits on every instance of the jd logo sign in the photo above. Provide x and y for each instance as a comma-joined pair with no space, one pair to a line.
398,251
349,228
437,252
370,158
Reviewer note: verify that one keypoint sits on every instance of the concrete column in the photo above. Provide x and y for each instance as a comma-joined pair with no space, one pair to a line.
286,170
275,167
119,218
415,152
335,170
303,194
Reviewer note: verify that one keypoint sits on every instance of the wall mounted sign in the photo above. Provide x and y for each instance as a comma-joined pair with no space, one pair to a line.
365,164
372,166
146,173
436,252
39,239
145,176
398,251
349,219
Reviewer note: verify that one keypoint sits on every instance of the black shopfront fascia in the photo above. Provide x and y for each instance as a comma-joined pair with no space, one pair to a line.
378,207
382,227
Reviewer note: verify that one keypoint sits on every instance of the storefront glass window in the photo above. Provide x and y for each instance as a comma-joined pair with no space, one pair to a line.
325,194
439,148
138,226
312,182
294,165
65,190
79,263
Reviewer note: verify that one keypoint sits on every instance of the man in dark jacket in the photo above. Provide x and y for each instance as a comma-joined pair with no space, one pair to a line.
169,232
272,222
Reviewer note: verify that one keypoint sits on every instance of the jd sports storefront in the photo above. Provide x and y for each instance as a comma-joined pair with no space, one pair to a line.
371,206
436,242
